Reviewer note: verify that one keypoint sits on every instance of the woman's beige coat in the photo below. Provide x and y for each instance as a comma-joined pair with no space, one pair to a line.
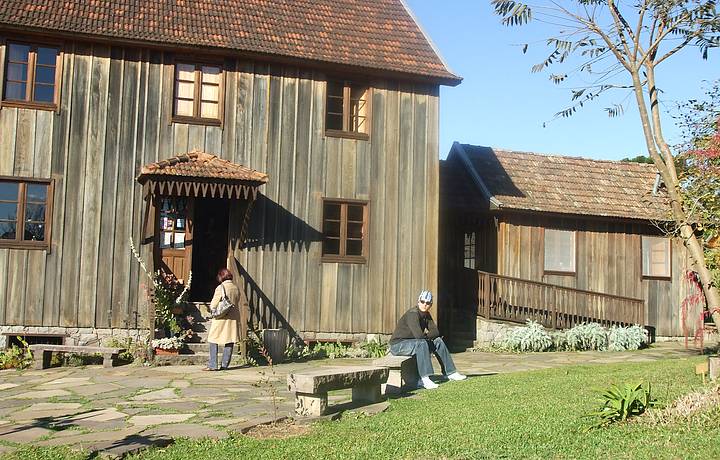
227,328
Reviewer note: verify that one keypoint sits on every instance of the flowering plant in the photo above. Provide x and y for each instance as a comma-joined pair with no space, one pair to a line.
167,343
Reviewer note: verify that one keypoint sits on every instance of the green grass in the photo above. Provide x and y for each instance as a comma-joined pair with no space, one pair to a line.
535,414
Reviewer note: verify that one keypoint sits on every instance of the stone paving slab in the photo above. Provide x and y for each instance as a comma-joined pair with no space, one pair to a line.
22,433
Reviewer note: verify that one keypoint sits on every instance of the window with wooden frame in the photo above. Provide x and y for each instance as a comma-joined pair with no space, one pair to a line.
656,257
198,93
31,75
25,212
345,225
347,109
559,251
469,250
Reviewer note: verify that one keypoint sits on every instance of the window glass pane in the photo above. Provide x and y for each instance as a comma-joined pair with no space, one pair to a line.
185,90
334,106
34,232
335,88
355,212
559,250
183,107
331,247
47,56
331,211
656,256
15,91
209,110
35,212
210,93
9,191
17,52
8,211
354,248
185,72
334,122
211,74
36,192
354,230
331,228
45,75
17,72
7,230
44,93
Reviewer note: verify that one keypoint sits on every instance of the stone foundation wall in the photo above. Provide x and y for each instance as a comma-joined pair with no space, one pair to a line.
489,332
75,336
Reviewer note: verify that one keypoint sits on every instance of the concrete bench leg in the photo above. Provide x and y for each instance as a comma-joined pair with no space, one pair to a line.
43,360
311,405
109,360
367,393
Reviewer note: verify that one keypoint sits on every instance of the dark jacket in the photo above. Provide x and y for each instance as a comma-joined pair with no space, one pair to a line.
415,324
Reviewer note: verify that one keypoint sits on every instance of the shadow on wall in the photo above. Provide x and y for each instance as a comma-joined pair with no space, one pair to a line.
273,227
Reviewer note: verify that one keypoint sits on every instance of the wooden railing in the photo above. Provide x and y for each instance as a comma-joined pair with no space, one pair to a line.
513,299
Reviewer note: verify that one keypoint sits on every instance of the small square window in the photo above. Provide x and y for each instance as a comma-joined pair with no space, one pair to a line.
656,257
25,213
344,231
559,251
198,93
31,75
347,109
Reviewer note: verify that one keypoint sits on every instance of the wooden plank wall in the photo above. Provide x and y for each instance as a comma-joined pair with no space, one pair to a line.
608,260
115,116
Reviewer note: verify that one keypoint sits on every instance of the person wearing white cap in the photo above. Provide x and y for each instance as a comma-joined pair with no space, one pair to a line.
416,334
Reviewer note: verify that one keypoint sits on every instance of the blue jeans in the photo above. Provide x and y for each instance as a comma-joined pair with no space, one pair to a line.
227,354
422,348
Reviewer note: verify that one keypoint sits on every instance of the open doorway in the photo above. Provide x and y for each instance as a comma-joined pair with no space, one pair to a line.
210,245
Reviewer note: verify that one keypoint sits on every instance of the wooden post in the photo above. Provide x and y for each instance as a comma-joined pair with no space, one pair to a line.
554,309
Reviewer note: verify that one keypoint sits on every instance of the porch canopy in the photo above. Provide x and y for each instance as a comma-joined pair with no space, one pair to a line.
200,174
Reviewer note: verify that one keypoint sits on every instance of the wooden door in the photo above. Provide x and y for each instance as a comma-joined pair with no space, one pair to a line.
173,248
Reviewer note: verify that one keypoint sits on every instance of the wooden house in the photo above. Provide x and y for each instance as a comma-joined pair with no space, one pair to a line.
293,141
559,239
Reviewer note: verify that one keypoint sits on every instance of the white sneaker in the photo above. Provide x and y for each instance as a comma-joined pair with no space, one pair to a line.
456,376
428,384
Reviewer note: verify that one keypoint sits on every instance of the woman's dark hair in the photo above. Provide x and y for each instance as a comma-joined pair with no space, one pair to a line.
223,275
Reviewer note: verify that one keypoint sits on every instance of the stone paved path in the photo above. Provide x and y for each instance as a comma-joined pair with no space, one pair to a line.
123,408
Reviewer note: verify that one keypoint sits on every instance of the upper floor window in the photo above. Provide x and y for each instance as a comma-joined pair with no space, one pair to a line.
198,93
25,213
347,109
559,251
656,257
344,231
31,74
469,250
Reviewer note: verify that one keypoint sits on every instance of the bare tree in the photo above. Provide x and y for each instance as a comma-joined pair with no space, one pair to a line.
619,45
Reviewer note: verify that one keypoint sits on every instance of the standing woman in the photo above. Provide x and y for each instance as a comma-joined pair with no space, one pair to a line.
225,330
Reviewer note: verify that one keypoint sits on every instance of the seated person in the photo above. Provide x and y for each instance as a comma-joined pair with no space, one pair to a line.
416,334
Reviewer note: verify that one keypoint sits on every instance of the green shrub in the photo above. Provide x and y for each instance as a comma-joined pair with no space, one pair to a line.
533,337
590,336
79,359
620,403
136,351
16,357
626,338
375,348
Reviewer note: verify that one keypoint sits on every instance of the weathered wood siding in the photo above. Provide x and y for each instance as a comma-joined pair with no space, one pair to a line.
608,260
115,117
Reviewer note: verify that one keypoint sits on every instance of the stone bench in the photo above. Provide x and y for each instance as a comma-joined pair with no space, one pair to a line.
311,386
403,373
42,354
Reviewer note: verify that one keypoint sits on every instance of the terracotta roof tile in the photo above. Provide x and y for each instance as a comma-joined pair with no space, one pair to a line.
380,34
198,164
569,185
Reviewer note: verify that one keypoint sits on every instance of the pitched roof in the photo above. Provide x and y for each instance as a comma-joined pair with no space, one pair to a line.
378,34
566,185
198,164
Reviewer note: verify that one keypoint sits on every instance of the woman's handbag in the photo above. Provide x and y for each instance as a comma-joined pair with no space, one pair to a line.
223,306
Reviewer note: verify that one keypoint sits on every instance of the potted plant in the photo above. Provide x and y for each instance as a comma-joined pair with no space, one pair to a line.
167,345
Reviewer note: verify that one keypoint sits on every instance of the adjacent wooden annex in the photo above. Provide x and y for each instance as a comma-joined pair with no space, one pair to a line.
579,224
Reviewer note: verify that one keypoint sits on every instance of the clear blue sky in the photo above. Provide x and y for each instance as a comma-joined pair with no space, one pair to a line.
501,104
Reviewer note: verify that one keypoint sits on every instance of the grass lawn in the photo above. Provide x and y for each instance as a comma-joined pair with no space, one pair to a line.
535,414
